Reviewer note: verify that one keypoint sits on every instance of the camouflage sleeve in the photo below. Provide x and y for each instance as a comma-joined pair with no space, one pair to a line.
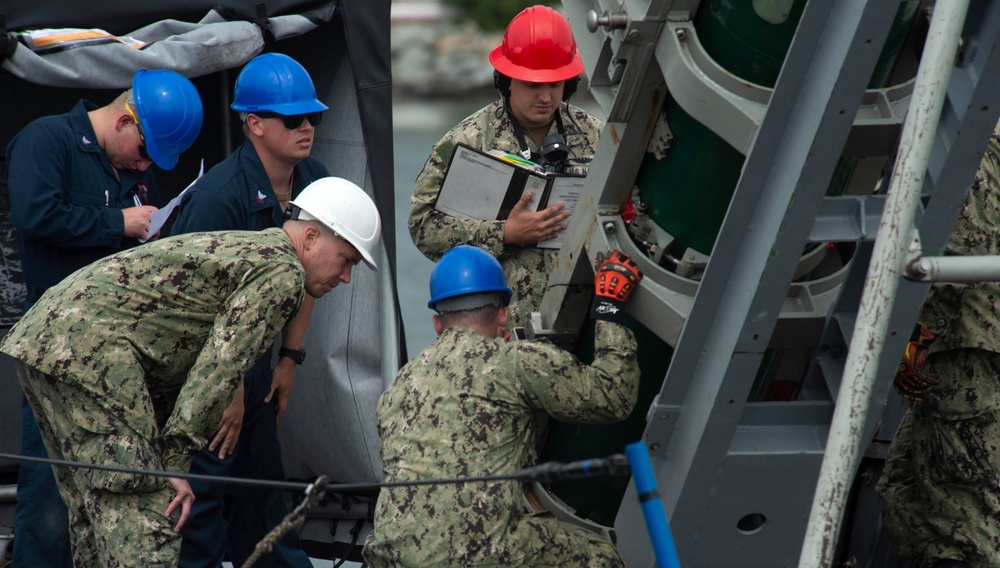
434,232
966,315
247,324
605,391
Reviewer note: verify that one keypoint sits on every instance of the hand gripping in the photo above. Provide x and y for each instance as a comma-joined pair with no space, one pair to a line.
617,276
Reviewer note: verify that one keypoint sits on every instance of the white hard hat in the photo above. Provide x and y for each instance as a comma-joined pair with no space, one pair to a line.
346,209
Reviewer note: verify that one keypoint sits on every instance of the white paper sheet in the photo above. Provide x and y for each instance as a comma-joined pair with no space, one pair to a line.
161,215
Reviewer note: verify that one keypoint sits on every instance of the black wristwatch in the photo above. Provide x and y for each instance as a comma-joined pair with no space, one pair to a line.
297,355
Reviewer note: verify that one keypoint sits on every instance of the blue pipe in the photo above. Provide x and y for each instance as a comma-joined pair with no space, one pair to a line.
652,506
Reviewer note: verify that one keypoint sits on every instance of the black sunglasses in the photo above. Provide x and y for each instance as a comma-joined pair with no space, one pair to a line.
294,121
142,148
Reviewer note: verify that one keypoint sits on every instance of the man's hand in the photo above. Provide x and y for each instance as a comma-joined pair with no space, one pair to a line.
911,381
138,220
281,384
184,498
525,227
228,433
617,276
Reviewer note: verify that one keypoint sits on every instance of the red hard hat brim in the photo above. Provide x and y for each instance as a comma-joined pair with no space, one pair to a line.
564,73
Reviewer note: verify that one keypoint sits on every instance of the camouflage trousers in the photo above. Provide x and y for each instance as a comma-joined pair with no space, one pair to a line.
537,539
116,519
570,545
939,492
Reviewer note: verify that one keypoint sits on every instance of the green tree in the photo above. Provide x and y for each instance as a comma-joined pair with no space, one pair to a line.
492,15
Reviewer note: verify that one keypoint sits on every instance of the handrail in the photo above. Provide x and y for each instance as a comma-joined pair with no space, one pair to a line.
885,270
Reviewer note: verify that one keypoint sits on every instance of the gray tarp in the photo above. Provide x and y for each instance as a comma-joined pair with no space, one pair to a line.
354,342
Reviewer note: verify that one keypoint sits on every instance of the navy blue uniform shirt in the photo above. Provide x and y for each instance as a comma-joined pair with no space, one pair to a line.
65,198
236,194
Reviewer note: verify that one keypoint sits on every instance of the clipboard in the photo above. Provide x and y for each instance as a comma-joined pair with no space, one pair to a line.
487,186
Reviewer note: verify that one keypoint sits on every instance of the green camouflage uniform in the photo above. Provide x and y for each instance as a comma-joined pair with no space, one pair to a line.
435,233
466,406
104,355
939,492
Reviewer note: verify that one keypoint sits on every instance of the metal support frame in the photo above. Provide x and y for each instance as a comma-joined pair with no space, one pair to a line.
609,183
596,225
847,219
738,478
632,116
694,79
733,108
721,347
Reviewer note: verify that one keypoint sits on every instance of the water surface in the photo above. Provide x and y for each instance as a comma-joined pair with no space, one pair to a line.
417,125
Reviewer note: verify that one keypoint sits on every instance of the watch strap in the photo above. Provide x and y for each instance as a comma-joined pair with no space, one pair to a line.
297,355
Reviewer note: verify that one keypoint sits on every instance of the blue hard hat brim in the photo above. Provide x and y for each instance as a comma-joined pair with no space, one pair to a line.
160,158
505,291
287,109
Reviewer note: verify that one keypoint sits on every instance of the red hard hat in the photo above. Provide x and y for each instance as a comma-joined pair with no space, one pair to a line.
538,47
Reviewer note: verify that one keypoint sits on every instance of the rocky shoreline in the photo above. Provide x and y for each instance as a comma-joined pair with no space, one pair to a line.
435,56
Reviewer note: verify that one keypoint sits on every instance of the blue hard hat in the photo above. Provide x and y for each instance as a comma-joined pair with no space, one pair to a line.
274,82
169,111
464,270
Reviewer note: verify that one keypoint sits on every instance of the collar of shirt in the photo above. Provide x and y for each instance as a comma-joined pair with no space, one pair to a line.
260,195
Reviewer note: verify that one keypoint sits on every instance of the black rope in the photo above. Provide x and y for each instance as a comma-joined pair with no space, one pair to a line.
549,472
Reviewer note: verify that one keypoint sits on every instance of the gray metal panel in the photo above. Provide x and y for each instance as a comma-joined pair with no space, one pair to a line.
847,219
616,63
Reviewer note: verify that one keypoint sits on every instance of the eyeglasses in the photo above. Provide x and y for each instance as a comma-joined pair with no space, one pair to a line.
142,138
294,121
